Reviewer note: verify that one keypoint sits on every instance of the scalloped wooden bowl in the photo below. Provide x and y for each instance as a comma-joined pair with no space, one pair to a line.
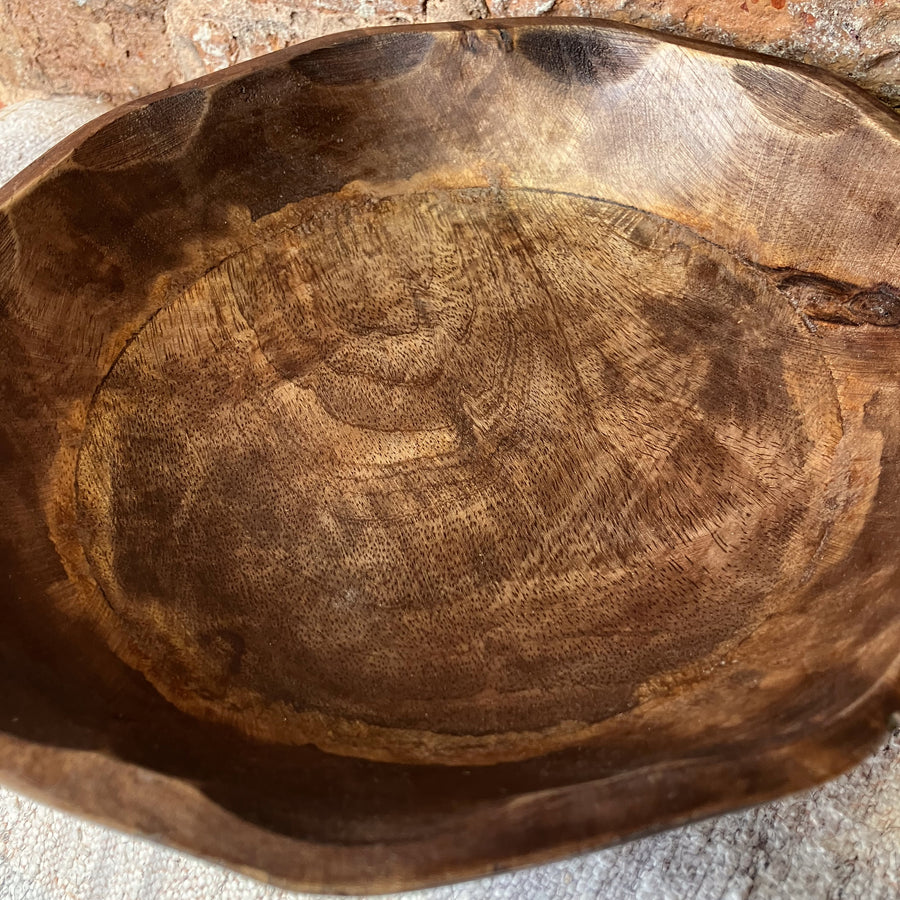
436,449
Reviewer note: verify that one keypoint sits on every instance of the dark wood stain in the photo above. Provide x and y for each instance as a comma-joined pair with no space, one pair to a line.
7,248
372,58
420,457
155,132
580,55
791,102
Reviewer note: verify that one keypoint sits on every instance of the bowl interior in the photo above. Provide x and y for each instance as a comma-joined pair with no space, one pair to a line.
432,420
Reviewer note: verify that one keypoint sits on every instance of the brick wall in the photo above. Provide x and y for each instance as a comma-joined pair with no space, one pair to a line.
119,49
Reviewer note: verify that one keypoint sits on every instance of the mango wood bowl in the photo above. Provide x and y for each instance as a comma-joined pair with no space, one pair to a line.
431,450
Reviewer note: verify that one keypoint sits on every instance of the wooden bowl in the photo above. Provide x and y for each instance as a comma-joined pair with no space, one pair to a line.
436,449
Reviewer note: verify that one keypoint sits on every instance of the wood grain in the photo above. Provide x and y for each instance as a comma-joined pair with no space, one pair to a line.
440,448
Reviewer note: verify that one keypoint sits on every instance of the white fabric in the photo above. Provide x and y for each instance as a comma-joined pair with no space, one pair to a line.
30,128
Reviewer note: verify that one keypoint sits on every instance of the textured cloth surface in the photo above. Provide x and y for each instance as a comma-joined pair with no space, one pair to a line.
839,842
32,127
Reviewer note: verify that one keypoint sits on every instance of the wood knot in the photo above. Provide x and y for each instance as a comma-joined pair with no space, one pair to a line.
843,303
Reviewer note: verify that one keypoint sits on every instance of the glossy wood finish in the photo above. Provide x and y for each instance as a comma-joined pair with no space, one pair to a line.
435,449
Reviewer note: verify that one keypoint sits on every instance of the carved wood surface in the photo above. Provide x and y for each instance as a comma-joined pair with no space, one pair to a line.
492,427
